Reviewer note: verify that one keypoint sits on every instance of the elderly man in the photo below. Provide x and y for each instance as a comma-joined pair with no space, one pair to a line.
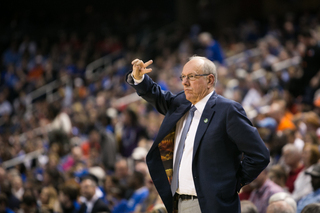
280,207
292,158
248,207
313,197
264,188
91,203
206,148
282,202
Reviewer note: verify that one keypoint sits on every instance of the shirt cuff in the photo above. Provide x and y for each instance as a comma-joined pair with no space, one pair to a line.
136,82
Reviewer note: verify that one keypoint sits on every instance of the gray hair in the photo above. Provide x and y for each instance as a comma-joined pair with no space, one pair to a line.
208,67
291,148
280,207
283,196
248,207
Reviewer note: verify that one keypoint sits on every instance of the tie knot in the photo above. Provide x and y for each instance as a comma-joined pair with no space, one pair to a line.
192,109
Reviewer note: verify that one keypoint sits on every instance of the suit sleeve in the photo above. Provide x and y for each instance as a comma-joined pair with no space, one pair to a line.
256,156
152,93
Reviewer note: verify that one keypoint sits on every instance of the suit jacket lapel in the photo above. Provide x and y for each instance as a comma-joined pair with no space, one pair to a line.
205,121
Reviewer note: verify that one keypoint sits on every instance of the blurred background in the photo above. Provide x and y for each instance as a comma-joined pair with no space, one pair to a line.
67,114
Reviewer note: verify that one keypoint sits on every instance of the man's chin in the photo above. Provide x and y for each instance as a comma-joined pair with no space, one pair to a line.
187,93
188,97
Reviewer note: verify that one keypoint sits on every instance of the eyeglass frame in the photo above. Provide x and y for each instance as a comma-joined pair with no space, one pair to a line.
195,75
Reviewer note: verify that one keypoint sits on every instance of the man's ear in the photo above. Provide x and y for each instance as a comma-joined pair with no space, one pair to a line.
210,79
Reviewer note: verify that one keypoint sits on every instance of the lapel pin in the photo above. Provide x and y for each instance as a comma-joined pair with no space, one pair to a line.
206,120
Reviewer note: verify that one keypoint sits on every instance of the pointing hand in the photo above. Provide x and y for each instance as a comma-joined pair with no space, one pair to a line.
140,68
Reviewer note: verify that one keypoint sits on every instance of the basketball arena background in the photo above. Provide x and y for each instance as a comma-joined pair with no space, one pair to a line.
66,111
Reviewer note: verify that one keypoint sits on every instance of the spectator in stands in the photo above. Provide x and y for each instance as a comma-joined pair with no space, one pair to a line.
60,119
109,183
120,204
280,207
311,137
52,177
311,208
141,192
139,156
17,187
311,120
278,175
49,200
302,185
59,143
314,196
283,117
281,197
4,204
93,144
122,171
100,174
292,158
92,203
53,161
70,160
68,195
132,132
153,198
29,203
291,137
141,167
264,188
108,150
213,51
103,144
13,201
248,207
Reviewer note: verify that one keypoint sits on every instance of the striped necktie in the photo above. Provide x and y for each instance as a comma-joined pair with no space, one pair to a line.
175,177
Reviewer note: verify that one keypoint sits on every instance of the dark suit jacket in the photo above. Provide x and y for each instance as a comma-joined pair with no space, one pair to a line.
99,206
223,136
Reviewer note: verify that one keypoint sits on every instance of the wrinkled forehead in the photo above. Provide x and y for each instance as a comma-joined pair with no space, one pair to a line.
193,66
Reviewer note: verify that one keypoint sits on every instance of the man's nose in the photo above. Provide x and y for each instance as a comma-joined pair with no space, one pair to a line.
185,81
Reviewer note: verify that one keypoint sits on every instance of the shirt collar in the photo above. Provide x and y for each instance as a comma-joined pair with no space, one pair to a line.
202,103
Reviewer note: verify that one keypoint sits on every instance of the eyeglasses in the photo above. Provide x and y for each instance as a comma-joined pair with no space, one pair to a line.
191,77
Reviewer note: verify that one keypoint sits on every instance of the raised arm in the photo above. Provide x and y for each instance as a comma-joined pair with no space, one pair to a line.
148,89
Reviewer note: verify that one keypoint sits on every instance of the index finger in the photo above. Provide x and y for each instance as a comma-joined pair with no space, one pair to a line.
148,63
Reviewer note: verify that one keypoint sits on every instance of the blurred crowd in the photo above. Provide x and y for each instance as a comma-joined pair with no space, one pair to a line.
90,152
